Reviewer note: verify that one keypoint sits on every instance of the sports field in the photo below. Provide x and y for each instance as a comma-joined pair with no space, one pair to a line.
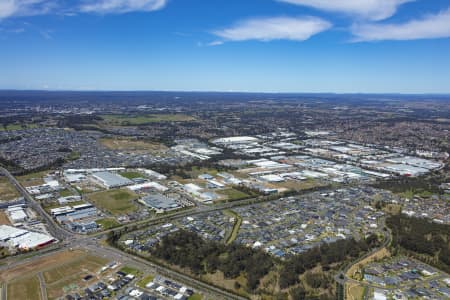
116,202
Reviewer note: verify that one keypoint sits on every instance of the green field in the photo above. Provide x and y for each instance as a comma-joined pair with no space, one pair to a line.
65,193
195,171
123,120
7,190
23,289
233,194
107,223
87,263
116,202
131,175
33,178
236,226
130,270
144,281
11,127
196,297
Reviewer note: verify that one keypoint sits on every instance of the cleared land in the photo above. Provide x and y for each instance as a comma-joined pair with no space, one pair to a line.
133,146
355,291
131,175
298,185
144,281
7,190
33,178
232,194
65,193
123,120
107,223
4,219
24,289
116,202
61,271
11,127
130,270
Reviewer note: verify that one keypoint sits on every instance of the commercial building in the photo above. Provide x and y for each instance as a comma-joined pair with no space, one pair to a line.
23,239
159,202
110,180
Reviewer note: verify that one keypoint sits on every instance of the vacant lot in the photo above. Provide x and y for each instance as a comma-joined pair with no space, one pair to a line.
25,288
107,223
133,145
4,219
116,202
7,190
60,272
298,185
33,178
44,263
232,194
82,264
355,291
11,127
123,120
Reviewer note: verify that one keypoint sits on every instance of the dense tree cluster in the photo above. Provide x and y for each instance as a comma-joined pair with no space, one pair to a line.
415,184
325,255
422,237
188,250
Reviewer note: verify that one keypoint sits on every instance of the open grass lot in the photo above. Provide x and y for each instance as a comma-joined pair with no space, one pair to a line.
195,171
232,194
354,291
133,145
11,127
33,178
26,288
65,193
4,219
195,297
81,264
144,281
130,270
107,223
59,271
45,263
298,185
123,120
131,175
116,202
237,225
7,190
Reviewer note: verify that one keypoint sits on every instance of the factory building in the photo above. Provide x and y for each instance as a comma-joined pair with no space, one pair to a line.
23,239
110,180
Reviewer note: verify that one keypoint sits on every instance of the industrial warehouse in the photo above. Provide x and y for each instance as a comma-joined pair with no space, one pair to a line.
23,240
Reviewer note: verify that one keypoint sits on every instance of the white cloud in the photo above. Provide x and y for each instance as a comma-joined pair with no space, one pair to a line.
278,28
368,9
9,8
122,6
429,27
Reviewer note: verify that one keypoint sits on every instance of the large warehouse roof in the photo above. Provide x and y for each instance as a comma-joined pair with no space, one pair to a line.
111,179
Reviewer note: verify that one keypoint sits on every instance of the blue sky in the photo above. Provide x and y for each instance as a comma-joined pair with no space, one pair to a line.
372,46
